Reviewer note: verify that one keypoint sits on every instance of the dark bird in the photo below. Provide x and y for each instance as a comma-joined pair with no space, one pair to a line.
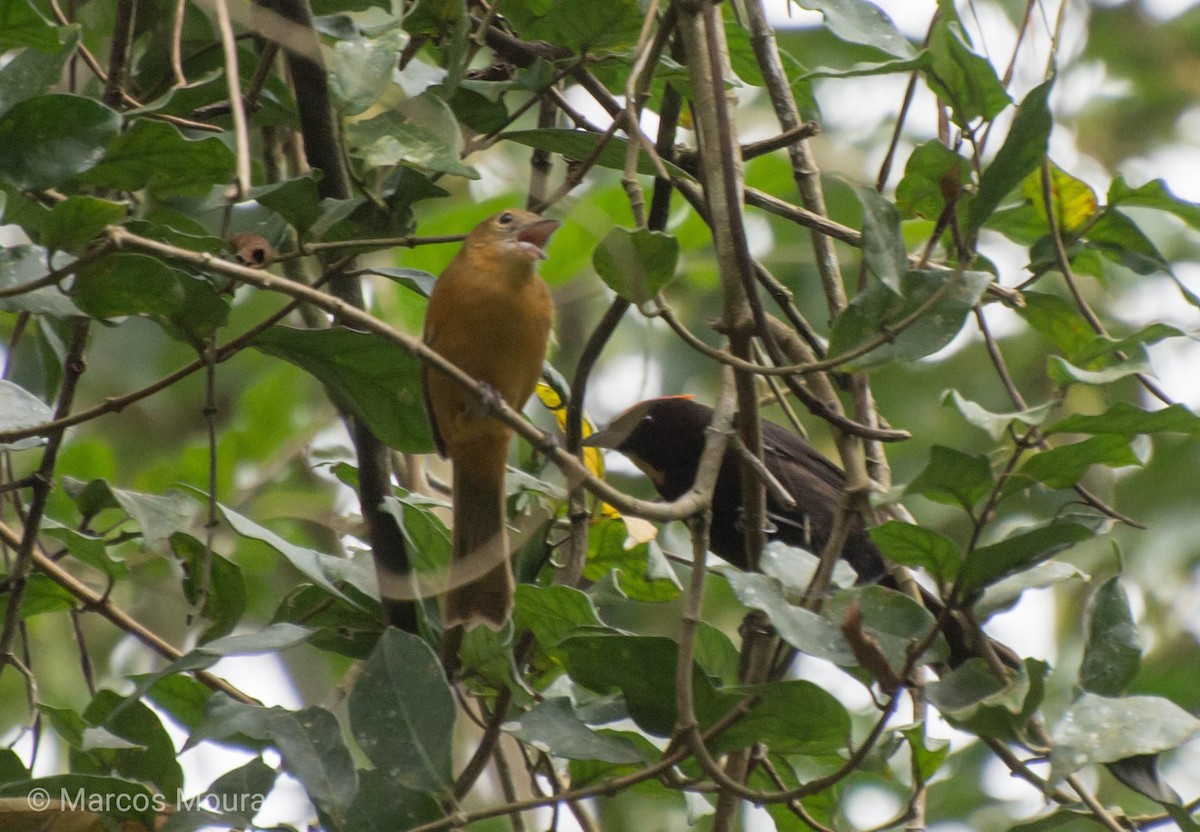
664,438
490,315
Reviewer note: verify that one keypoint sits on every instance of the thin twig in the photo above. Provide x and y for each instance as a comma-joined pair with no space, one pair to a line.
18,575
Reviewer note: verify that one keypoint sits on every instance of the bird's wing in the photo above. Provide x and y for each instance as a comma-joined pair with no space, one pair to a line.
789,447
433,427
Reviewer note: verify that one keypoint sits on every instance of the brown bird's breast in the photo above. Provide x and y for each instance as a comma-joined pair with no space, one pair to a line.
493,322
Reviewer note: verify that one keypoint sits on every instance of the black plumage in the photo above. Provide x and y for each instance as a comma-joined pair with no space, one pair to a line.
665,437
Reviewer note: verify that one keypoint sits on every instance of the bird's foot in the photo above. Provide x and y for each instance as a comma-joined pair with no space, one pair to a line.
489,400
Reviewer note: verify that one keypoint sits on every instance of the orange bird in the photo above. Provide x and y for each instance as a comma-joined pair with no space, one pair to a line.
489,314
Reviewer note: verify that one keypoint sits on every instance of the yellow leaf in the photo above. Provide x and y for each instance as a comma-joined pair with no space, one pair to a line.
1074,201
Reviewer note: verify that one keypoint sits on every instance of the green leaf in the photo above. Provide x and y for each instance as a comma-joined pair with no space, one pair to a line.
1156,194
989,564
795,567
640,667
996,424
892,619
376,379
1103,347
1113,651
41,596
636,263
933,174
67,724
418,281
804,629
419,131
1023,150
154,155
1058,321
349,629
236,795
426,536
641,572
433,17
1062,820
221,594
402,713
180,697
1120,240
486,655
584,27
742,59
790,717
971,697
1064,466
912,545
326,571
716,654
474,106
964,80
86,549
77,220
552,613
1064,372
158,516
309,742
580,144
1141,774
22,25
21,409
49,140
1124,419
149,755
129,283
552,726
883,244
1005,592
11,766
35,71
360,69
895,621
381,805
953,477
1099,729
297,200
25,264
857,21
928,753
334,219
270,639
800,76
879,309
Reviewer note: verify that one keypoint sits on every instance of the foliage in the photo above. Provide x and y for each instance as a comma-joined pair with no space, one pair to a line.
178,469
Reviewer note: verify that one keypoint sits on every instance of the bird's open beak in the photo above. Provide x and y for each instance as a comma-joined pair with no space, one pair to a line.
602,439
537,234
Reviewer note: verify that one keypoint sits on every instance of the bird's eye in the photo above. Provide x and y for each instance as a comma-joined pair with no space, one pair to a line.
505,218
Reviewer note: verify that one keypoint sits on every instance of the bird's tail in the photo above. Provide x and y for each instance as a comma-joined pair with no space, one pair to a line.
481,576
